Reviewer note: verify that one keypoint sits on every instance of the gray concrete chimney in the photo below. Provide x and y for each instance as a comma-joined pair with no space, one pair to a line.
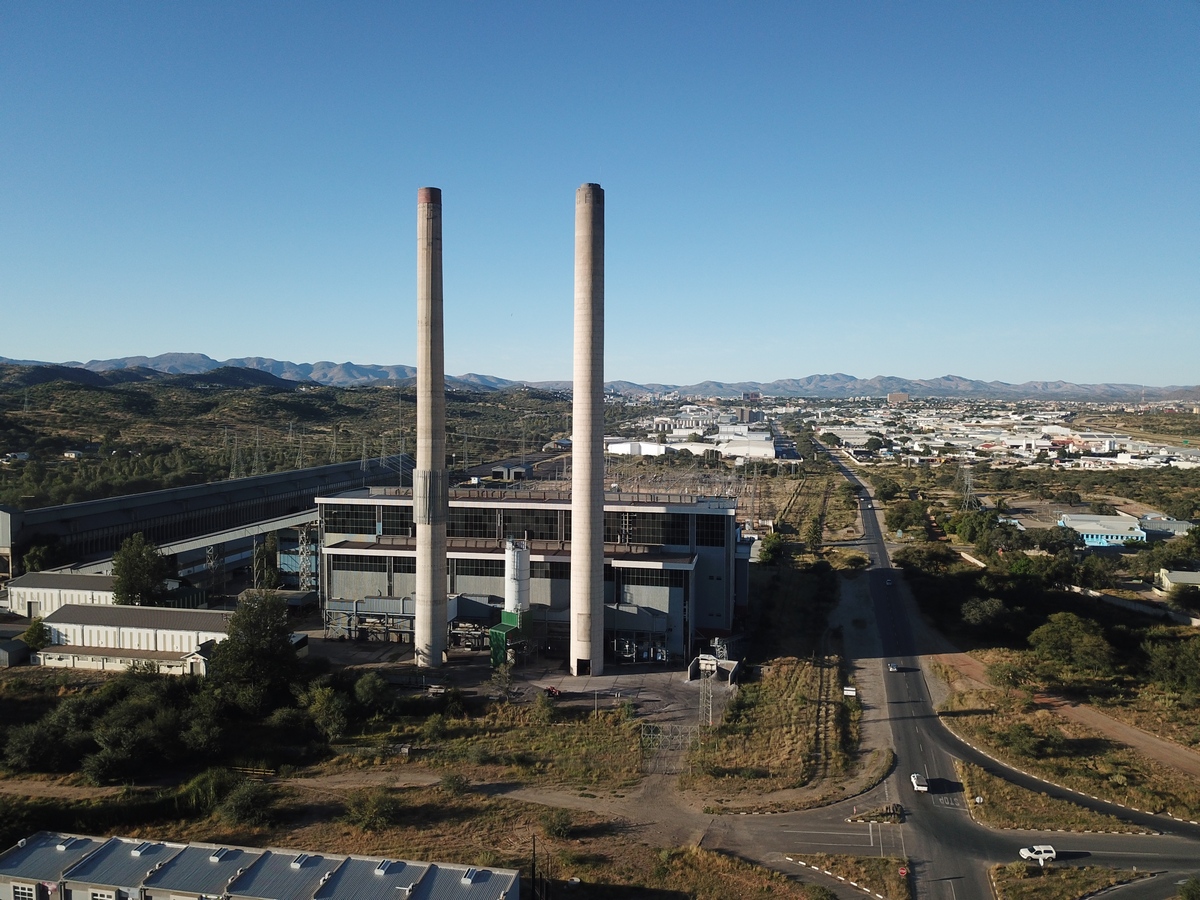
587,438
430,498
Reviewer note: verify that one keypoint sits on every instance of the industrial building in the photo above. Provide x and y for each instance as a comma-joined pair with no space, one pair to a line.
116,868
95,529
674,566
41,593
113,638
1104,531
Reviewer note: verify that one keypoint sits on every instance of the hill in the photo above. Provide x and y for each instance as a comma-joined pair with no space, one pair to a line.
835,386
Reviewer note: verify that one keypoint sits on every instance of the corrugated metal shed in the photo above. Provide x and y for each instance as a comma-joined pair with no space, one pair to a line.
140,617
201,869
13,653
123,862
45,856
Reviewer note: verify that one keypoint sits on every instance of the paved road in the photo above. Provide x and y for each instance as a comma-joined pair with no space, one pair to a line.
949,852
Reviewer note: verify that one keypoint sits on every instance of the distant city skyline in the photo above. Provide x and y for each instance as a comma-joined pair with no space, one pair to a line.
1004,192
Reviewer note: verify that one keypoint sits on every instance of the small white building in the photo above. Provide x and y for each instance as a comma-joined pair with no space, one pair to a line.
41,593
112,638
1169,579
638,448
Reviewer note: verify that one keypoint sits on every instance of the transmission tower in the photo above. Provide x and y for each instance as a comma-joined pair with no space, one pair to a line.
364,465
235,462
708,675
970,502
333,446
300,451
304,560
258,460
214,561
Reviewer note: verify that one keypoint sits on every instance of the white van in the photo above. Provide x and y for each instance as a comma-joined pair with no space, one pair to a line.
921,786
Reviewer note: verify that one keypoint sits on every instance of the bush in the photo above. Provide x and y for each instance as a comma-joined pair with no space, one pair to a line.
248,804
372,810
434,728
556,823
372,693
202,794
454,784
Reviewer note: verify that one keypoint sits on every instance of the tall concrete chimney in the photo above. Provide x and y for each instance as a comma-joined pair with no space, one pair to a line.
430,498
587,438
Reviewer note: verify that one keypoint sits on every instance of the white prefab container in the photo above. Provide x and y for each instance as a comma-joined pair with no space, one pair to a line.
516,576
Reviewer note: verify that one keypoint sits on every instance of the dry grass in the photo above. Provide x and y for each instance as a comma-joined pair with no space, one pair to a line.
1005,805
779,732
515,742
1018,881
878,874
474,829
1160,712
1083,760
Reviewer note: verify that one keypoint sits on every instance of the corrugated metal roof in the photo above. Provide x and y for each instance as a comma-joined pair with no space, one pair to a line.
122,862
371,879
111,652
140,617
46,856
280,873
246,873
202,869
465,883
68,581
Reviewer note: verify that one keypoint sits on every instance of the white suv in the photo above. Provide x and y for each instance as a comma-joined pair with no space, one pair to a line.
1041,852
920,785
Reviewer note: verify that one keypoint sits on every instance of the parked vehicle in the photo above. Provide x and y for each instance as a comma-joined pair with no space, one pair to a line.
921,786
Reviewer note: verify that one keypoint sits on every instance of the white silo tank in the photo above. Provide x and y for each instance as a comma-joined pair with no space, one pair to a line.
516,576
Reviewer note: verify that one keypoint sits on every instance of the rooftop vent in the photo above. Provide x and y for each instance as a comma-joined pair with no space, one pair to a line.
326,876
66,844
218,854
141,848
299,861
469,876
382,868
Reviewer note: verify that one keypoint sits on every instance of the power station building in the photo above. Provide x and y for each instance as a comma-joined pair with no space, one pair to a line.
674,566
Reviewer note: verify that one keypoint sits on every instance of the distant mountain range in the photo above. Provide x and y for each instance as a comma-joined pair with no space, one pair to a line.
133,368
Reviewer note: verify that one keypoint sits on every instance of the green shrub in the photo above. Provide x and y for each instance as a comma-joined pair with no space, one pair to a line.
249,803
372,810
454,784
556,823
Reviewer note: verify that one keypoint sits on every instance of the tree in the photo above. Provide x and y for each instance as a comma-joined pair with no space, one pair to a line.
771,549
1070,640
1190,890
255,664
266,564
1182,596
37,635
330,711
139,573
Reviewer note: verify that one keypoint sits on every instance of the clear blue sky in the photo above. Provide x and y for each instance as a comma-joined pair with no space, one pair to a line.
996,190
